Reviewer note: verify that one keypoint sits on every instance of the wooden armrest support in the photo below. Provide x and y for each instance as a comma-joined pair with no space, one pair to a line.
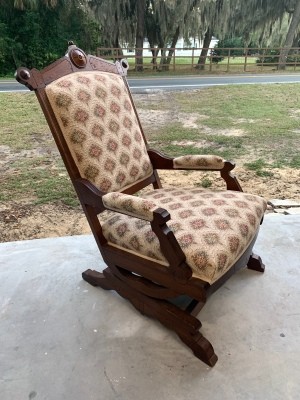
232,182
159,160
170,247
88,194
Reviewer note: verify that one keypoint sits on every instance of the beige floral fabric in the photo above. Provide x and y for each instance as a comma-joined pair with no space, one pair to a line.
205,162
213,228
99,124
131,205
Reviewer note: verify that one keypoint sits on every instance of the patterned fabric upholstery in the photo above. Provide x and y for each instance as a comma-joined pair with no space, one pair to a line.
99,124
205,162
131,205
213,228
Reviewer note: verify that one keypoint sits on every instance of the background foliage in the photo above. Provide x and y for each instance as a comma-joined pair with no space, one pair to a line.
35,32
34,37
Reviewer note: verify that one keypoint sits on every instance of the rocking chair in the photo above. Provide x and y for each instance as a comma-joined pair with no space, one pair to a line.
167,243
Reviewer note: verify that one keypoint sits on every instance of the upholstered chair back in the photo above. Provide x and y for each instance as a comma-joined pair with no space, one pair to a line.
99,124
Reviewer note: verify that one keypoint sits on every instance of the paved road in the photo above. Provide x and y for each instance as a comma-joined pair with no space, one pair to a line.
194,82
143,85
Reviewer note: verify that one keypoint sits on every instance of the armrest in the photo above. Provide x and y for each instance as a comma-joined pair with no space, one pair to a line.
130,205
210,163
196,162
202,162
143,209
158,217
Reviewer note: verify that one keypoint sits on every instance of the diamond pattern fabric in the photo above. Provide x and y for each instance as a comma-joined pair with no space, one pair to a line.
131,205
213,228
198,162
99,124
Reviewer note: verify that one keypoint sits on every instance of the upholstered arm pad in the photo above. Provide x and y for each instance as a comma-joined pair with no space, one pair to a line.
205,162
130,205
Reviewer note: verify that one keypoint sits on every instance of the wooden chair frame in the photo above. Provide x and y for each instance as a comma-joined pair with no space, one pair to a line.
149,286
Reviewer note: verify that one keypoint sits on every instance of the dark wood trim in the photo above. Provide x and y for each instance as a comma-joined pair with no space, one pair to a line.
159,160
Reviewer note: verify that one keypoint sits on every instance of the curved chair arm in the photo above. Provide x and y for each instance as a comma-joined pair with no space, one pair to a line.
209,163
129,205
190,161
202,162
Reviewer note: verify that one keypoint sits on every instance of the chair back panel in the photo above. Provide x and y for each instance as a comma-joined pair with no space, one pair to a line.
99,124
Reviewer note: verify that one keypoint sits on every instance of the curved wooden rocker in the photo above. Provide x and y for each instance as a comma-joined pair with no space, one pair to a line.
169,243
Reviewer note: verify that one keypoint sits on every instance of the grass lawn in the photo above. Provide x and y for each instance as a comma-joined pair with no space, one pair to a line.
263,120
256,125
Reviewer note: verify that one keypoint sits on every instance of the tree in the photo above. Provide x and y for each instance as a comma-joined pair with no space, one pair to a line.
36,33
164,21
130,21
116,20
173,19
210,20
140,33
264,14
251,19
152,31
30,4
295,21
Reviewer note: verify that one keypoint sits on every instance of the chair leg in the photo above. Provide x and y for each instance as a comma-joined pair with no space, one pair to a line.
201,347
255,263
96,278
180,321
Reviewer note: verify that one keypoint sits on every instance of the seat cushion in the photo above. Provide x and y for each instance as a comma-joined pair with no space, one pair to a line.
213,228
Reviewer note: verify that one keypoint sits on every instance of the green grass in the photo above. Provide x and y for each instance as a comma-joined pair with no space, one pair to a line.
226,147
32,180
295,161
266,114
206,183
38,177
259,166
268,117
21,120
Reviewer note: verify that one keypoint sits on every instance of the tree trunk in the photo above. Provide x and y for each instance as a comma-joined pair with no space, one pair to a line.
140,27
161,47
117,53
204,51
163,58
154,52
171,51
289,37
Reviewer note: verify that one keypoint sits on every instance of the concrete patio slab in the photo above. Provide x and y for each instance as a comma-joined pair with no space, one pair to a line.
64,339
293,211
284,203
